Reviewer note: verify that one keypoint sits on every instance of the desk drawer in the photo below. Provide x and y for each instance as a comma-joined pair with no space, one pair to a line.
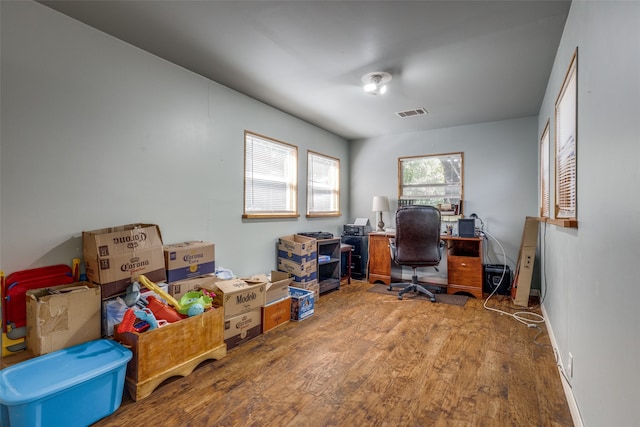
464,270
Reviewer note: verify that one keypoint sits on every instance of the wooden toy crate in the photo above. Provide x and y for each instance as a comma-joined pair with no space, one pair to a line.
172,350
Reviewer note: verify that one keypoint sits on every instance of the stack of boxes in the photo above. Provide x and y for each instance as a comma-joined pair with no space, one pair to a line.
242,301
298,256
114,257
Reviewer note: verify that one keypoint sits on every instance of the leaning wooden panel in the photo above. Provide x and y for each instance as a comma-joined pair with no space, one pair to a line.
172,350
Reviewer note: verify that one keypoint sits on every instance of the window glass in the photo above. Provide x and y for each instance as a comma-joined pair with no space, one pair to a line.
434,180
270,177
323,185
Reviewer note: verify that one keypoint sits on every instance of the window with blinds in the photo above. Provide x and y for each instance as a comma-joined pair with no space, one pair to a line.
545,187
270,177
323,185
434,180
565,152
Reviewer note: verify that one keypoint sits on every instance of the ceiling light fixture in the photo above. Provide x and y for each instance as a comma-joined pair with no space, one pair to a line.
376,83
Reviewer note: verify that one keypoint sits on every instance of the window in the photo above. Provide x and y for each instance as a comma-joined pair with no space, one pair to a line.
270,178
545,188
434,180
323,185
565,152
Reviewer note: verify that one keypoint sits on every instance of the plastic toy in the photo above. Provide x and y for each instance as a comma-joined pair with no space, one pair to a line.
149,321
163,311
194,302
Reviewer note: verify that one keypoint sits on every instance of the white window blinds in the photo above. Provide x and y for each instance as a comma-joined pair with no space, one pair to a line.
270,187
545,188
323,185
566,114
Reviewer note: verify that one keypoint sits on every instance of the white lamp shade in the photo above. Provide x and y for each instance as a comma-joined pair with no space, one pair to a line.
380,204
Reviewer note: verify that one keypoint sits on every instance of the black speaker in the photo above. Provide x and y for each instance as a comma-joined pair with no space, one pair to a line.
467,227
493,279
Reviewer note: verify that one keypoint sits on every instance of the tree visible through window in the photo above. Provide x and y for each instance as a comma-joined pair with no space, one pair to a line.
270,177
434,180
323,185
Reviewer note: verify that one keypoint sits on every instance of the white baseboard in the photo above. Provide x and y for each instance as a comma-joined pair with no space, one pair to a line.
568,392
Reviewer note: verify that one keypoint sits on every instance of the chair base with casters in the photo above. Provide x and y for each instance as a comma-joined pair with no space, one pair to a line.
413,286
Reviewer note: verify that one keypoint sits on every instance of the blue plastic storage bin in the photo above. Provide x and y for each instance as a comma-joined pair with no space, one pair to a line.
76,386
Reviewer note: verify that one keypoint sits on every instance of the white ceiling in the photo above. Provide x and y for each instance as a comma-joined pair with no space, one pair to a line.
465,62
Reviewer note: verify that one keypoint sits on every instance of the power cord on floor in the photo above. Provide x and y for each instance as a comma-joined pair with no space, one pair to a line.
531,320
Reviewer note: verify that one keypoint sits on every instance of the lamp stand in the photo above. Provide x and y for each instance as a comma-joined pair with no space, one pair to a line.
380,222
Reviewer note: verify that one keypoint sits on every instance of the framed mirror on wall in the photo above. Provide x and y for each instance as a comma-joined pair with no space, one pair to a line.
434,180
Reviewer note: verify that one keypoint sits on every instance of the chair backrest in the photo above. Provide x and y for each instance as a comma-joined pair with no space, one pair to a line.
418,236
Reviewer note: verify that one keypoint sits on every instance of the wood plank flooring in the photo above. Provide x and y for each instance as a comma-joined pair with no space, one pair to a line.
366,359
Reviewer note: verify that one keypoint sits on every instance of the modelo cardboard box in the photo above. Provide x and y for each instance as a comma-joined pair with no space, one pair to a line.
187,260
62,316
277,284
114,256
242,328
238,296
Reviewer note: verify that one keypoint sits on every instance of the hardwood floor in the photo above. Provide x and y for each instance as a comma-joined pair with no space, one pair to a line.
365,359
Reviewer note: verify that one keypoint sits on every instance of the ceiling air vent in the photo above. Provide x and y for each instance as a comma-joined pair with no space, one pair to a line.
413,113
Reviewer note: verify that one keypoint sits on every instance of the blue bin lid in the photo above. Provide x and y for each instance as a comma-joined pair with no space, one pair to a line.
44,375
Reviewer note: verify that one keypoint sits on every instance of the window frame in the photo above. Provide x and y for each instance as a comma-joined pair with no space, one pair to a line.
404,199
335,189
566,145
290,180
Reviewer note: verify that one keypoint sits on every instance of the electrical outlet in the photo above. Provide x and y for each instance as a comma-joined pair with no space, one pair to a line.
570,366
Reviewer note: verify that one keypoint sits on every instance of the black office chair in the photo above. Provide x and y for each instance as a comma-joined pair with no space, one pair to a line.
417,244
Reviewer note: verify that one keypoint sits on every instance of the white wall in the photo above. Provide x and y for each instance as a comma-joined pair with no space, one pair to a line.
97,133
592,271
500,175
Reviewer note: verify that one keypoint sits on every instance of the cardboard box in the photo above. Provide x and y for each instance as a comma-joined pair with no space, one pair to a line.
120,240
242,328
114,256
76,386
189,259
114,274
309,285
295,244
275,314
308,270
297,258
178,289
278,286
68,317
238,296
302,303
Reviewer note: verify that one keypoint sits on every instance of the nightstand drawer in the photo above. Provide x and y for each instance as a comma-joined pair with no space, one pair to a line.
464,270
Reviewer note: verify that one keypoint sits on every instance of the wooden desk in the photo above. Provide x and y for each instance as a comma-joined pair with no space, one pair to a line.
464,262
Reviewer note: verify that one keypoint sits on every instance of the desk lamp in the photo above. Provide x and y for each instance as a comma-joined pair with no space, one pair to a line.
380,204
